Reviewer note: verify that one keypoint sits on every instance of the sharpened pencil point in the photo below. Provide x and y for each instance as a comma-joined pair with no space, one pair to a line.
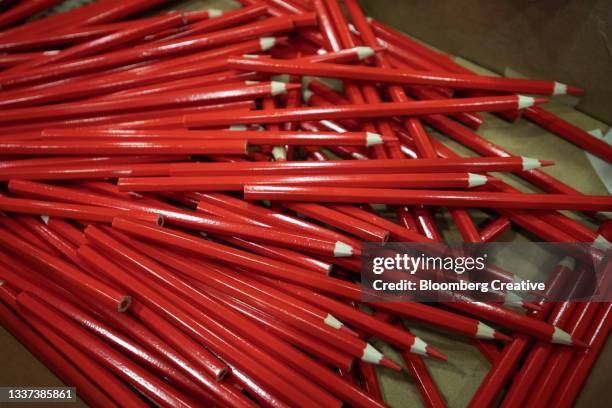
574,90
560,336
364,52
580,343
475,180
342,250
502,337
373,139
559,89
266,43
530,163
539,101
432,352
386,362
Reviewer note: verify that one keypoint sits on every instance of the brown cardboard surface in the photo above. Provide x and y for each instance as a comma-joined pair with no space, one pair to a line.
460,377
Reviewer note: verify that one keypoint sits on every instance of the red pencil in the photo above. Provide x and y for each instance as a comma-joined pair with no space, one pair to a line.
398,76
374,110
451,165
236,183
175,99
428,197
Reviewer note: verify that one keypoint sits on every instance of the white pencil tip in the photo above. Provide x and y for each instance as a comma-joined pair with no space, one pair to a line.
237,127
525,101
212,13
278,88
364,52
342,250
475,180
265,43
333,322
279,153
484,332
373,139
559,89
45,218
561,337
530,163
371,355
601,243
568,262
306,94
513,300
419,347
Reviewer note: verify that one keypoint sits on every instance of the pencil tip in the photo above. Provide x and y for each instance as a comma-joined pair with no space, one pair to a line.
432,352
386,362
574,90
502,337
342,250
373,139
475,180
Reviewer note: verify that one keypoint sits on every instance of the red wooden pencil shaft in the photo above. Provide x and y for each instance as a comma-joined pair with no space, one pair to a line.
290,334
420,374
43,162
505,366
376,110
89,172
60,365
569,132
232,285
120,147
236,183
362,320
145,382
451,165
394,76
156,72
342,221
216,337
428,197
253,137
103,379
578,371
289,355
66,274
98,45
150,51
80,34
557,363
287,272
24,10
172,99
116,339
149,211
72,211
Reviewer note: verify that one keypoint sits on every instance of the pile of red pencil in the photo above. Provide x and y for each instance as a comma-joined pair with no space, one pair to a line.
183,202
